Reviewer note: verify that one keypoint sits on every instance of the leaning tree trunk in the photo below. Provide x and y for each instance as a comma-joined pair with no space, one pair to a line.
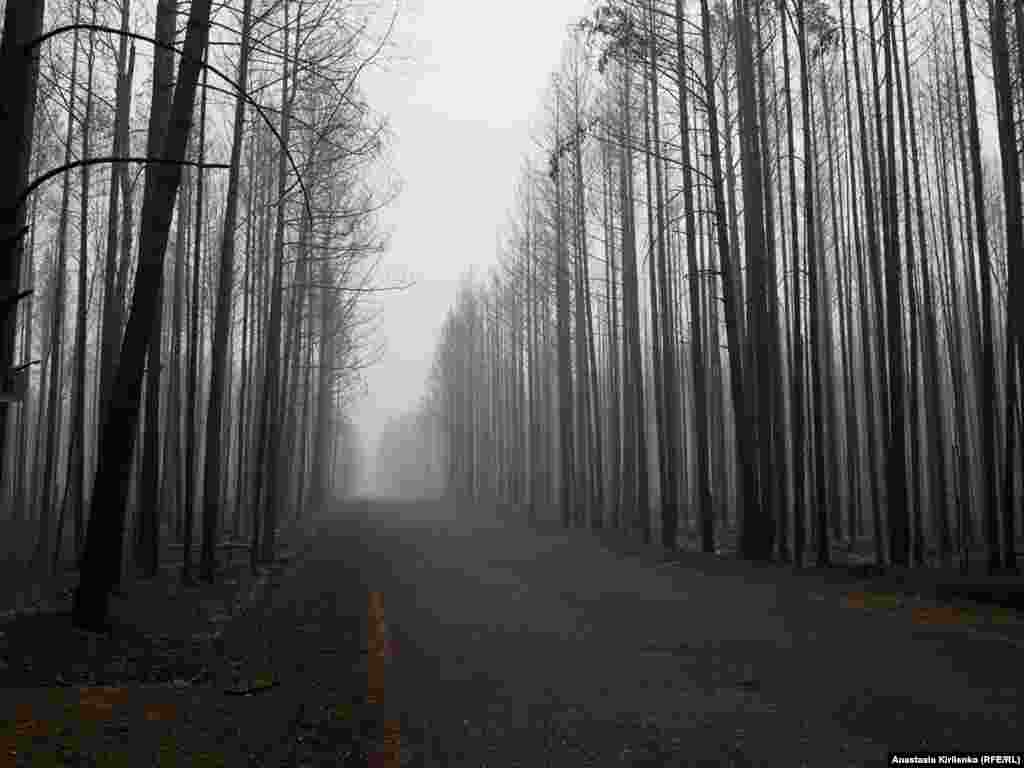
99,569
110,332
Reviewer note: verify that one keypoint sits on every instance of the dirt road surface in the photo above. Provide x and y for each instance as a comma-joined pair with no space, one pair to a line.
509,647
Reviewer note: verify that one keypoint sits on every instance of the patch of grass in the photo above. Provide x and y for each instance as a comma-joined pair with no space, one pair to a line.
112,759
1005,616
208,760
167,753
342,712
47,759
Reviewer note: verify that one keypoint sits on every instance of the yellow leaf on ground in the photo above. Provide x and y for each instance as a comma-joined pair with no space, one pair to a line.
157,712
873,600
943,614
99,703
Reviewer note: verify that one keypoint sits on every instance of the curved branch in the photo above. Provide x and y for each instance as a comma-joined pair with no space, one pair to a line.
205,65
40,180
23,366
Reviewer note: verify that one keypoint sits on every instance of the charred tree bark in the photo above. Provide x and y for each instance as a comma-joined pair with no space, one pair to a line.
101,560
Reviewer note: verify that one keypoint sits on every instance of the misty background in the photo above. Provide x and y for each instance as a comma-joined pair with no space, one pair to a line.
462,89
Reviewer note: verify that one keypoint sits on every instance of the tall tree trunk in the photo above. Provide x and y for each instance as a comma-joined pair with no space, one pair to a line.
733,265
76,454
755,523
854,486
321,473
100,562
670,391
773,449
796,373
814,311
837,493
658,404
192,443
148,556
746,487
174,465
111,322
1010,164
954,342
55,360
593,412
270,405
986,390
616,347
875,303
636,488
21,499
705,508
23,22
896,455
565,415
911,521
248,325
222,319
934,413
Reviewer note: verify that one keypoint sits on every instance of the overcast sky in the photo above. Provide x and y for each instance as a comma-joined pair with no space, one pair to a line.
464,108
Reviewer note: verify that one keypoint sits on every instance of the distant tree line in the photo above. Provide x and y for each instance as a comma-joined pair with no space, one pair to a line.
408,461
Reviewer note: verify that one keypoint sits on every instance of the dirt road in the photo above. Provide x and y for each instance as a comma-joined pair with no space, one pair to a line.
412,634
514,648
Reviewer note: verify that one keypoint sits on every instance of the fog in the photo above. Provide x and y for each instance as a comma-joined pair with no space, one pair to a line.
463,107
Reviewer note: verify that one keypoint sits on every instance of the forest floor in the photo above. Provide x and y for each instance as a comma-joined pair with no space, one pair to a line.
188,676
973,600
506,645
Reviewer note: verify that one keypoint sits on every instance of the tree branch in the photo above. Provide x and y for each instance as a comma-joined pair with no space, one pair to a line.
40,180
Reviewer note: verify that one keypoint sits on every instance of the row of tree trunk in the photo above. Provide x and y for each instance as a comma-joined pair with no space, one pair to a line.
233,416
816,205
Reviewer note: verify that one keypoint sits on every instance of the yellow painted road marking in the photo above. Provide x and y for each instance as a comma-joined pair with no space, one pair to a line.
387,753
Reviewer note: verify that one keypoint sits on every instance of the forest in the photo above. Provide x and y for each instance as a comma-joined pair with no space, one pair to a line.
189,239
761,291
757,306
